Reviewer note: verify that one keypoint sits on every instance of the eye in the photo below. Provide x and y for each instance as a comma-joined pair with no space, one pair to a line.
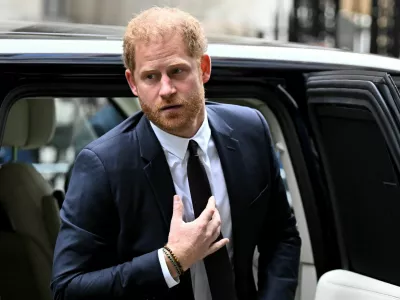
177,71
150,76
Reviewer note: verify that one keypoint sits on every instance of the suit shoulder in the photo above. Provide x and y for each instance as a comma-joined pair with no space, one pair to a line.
235,114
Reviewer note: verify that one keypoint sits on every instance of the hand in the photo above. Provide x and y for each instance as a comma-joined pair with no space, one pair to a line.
195,240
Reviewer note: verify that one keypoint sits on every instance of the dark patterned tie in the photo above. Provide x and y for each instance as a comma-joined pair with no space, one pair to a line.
218,266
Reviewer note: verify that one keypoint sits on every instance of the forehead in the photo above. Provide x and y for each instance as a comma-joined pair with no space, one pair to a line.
161,51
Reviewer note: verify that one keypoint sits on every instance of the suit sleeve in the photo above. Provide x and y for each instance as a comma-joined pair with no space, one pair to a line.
85,262
279,243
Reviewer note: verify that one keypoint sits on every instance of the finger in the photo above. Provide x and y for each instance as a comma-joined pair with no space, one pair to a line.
216,233
217,245
216,219
208,212
215,225
177,213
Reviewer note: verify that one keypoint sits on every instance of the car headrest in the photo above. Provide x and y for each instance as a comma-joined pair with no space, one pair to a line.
30,123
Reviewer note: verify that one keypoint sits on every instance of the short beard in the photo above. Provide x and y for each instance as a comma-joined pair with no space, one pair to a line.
193,105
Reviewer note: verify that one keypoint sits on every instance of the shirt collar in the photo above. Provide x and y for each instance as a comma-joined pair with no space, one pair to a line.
177,145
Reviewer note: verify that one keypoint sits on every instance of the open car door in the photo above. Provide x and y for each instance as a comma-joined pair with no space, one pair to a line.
355,120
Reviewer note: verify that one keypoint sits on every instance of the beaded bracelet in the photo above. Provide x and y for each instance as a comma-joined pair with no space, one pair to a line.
172,260
175,259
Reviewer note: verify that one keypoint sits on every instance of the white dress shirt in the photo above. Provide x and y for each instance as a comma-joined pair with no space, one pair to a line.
176,153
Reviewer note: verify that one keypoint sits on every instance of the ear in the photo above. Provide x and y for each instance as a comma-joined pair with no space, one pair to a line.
205,65
131,81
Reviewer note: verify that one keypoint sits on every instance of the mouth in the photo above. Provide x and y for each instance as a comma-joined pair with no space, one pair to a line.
171,107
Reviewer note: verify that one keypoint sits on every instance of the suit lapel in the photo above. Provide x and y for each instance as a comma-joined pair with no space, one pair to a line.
156,169
234,168
231,157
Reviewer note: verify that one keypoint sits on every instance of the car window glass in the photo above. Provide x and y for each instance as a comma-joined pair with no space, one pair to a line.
78,121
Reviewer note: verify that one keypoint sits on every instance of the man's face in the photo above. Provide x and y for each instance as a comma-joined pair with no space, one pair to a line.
169,84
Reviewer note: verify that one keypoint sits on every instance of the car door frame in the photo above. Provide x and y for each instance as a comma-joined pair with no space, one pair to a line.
375,91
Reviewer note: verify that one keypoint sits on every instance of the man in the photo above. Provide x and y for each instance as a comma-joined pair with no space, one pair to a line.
172,202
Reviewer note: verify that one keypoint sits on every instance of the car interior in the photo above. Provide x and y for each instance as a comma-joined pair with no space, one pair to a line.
31,193
30,216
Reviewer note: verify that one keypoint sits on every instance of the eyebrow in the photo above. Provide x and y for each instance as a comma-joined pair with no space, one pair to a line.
174,65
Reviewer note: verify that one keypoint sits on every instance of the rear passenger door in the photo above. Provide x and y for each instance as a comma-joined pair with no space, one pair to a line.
355,119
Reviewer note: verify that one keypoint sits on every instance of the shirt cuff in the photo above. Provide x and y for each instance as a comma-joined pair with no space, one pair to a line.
171,282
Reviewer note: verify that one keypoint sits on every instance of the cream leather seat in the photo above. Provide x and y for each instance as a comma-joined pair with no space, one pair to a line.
346,285
28,236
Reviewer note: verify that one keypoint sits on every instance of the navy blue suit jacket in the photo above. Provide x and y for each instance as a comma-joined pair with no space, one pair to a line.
118,207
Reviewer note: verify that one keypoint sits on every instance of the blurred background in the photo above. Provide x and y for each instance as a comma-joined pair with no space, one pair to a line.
367,26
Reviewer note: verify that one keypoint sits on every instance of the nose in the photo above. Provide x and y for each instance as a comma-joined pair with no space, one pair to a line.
167,88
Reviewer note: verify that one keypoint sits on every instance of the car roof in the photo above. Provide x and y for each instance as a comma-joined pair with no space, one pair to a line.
60,38
60,30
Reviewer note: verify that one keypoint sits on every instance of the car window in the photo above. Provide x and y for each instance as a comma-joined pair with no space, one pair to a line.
78,121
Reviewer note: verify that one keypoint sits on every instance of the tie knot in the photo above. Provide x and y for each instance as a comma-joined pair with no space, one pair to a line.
193,147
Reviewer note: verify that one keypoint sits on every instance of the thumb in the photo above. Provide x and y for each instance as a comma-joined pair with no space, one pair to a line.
177,213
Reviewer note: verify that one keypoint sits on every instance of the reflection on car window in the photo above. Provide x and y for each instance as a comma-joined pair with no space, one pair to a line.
78,122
